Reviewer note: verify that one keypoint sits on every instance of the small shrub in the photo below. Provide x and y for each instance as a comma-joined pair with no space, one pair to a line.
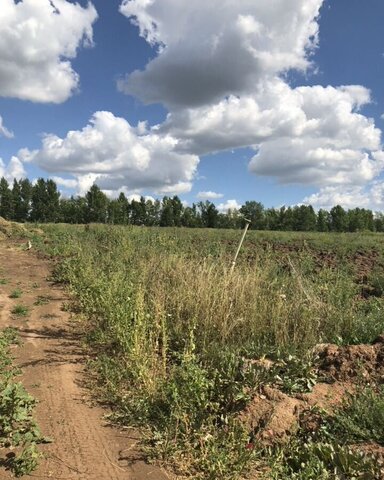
16,293
361,418
20,310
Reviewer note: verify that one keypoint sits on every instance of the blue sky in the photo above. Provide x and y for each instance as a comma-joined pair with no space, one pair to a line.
227,101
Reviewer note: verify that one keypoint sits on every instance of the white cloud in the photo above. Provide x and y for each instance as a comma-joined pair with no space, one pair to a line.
65,182
14,169
220,71
112,153
4,131
311,135
334,145
137,197
228,205
224,89
209,50
37,40
209,195
365,196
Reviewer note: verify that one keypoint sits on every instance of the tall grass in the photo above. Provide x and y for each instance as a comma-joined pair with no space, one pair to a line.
173,328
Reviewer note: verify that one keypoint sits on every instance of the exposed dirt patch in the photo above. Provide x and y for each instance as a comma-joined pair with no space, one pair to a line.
352,361
52,359
273,416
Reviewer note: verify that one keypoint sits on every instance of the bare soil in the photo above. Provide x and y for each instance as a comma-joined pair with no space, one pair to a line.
52,359
273,416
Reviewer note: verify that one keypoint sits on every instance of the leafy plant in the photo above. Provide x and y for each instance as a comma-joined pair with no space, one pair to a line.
20,310
316,460
361,417
16,293
18,430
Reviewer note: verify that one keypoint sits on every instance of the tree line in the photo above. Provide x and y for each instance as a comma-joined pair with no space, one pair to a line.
41,202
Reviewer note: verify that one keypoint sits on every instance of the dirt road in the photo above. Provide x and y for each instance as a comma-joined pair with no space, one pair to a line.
52,361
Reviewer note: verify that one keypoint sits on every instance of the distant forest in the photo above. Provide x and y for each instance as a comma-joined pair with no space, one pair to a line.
42,203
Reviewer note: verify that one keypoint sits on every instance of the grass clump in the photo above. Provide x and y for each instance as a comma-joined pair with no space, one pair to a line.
42,300
16,293
20,310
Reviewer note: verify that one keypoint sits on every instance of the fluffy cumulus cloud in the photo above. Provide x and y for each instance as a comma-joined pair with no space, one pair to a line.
367,196
219,71
335,144
209,50
229,205
14,169
112,153
4,130
38,38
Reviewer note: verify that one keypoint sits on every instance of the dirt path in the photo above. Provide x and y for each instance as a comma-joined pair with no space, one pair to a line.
52,362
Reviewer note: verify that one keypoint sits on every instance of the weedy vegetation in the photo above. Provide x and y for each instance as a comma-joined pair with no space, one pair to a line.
19,433
20,310
42,300
178,339
17,293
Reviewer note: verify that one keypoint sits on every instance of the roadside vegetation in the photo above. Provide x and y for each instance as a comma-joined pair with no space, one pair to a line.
183,348
19,433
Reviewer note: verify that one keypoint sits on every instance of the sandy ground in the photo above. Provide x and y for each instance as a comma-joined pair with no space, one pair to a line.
52,361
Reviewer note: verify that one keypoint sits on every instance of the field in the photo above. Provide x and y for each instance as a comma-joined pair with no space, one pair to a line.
273,371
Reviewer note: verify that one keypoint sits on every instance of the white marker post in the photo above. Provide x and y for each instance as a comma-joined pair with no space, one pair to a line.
248,222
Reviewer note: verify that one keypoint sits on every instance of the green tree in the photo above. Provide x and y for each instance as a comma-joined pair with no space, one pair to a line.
254,211
286,219
45,205
304,218
6,201
190,217
339,219
360,219
153,212
96,205
167,218
323,221
138,209
272,219
209,214
17,202
26,199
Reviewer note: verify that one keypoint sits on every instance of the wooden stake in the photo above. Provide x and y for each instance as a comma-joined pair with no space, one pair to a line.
248,222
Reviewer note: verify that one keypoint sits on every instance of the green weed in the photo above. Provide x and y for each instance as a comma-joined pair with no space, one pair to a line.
361,418
323,460
20,310
42,300
18,430
16,293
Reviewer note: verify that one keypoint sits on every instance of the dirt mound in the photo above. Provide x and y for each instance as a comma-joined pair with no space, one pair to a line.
352,361
272,416
9,229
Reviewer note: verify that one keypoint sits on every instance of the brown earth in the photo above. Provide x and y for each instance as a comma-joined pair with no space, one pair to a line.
273,416
52,359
